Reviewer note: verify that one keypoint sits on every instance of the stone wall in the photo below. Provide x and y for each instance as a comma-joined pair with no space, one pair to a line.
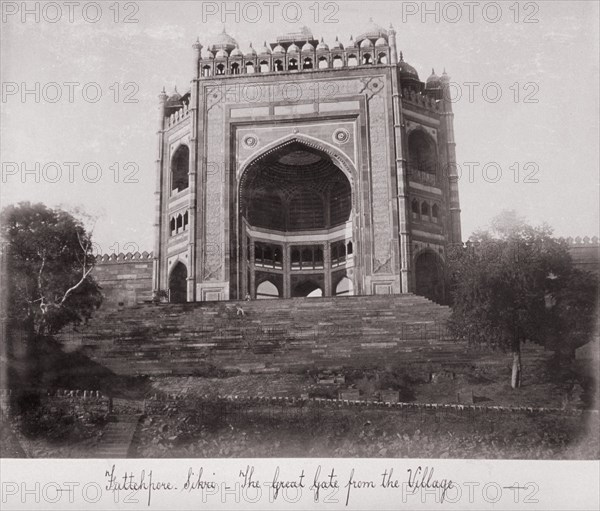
585,253
126,279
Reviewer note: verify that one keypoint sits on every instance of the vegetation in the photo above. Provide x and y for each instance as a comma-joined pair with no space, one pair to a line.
515,283
49,262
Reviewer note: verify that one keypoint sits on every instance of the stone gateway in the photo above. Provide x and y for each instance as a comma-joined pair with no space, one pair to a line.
301,169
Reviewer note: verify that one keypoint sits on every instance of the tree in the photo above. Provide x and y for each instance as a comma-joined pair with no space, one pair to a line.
49,262
511,284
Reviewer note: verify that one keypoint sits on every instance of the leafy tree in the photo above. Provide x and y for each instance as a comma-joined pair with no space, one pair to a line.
49,260
515,283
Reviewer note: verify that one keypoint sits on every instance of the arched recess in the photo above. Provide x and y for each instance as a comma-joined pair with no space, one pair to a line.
307,289
178,283
344,287
341,206
180,167
422,152
429,276
266,290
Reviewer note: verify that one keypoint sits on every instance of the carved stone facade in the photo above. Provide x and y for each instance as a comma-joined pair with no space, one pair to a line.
301,169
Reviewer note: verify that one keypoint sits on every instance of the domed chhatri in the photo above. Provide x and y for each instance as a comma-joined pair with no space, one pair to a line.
308,47
434,81
250,52
223,41
322,46
373,31
337,45
406,70
278,50
236,52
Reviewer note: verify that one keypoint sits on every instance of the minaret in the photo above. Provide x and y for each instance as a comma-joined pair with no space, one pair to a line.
156,270
392,43
455,235
193,170
400,167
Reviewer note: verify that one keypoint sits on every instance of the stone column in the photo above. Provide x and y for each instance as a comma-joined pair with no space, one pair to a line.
193,172
401,177
158,202
252,270
327,267
455,235
287,270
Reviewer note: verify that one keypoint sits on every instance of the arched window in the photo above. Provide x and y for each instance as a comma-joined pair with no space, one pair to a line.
323,64
307,258
318,258
367,59
172,226
278,66
414,206
295,259
435,212
352,61
293,65
220,69
180,168
206,71
349,248
249,67
267,290
308,63
424,209
179,222
422,154
235,68
382,58
338,61
264,66
344,287
186,220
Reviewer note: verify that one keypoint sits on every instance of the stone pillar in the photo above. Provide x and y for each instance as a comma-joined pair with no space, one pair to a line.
454,235
193,172
401,176
251,269
157,255
287,270
327,267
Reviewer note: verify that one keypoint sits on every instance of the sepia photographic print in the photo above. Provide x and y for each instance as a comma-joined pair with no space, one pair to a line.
299,254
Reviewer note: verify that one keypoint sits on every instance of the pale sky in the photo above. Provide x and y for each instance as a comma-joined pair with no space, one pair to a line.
553,141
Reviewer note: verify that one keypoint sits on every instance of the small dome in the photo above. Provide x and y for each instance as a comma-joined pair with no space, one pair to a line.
337,45
209,55
224,42
322,46
250,52
293,48
265,50
381,42
366,43
433,82
236,52
278,50
406,70
373,31
221,54
351,43
175,98
308,47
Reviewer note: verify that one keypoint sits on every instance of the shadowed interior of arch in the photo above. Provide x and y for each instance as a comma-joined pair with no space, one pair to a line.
295,209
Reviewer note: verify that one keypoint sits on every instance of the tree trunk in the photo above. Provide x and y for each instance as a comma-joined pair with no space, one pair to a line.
515,381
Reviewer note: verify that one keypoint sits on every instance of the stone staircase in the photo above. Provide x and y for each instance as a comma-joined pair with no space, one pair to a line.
269,335
117,437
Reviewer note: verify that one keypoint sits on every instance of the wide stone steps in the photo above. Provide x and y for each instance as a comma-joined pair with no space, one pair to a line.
271,335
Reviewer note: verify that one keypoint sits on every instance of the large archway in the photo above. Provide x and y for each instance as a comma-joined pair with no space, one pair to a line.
178,283
295,208
429,276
